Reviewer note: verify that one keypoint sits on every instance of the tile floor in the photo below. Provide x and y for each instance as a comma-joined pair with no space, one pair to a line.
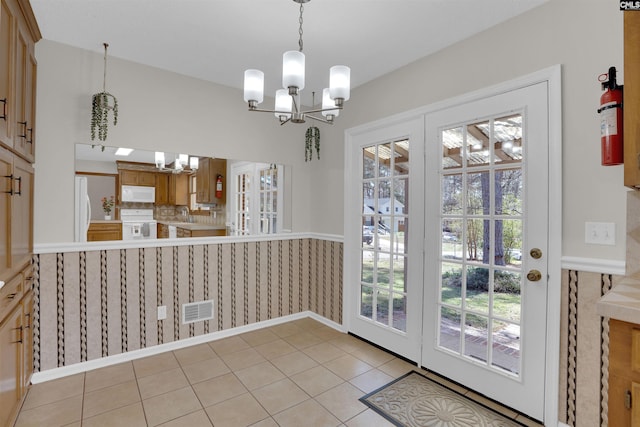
300,373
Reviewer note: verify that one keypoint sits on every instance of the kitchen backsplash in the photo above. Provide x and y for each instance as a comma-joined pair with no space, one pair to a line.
176,213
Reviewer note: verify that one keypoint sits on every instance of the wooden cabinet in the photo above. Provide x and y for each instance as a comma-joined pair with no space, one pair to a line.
163,231
162,188
209,170
172,189
631,110
184,232
107,230
135,177
624,374
16,343
18,35
179,189
16,213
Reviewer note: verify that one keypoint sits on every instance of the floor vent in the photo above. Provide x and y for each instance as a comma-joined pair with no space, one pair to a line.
197,311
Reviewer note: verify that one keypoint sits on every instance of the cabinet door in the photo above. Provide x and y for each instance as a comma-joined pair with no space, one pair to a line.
6,168
147,179
218,168
22,213
128,177
179,190
19,120
30,75
6,75
162,189
10,355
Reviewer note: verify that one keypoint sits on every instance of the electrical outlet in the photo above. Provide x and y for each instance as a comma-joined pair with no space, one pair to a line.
600,233
162,312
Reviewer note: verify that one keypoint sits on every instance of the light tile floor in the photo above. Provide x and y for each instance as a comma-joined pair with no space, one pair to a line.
300,373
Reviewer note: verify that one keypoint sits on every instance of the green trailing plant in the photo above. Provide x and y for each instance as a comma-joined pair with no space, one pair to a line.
100,114
311,141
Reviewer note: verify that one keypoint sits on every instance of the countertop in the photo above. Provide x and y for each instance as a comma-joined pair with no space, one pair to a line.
106,221
622,302
192,225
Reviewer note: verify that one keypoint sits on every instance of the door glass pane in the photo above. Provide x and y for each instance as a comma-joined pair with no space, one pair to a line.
385,224
452,146
366,299
450,327
482,241
475,336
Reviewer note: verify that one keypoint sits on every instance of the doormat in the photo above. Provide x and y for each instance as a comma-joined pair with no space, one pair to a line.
414,400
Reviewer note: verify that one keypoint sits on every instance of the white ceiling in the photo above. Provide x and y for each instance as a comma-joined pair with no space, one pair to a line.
216,40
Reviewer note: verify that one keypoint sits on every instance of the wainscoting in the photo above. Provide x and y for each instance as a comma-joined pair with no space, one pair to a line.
96,303
584,349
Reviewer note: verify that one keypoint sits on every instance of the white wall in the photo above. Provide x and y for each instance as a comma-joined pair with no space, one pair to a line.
158,110
584,36
162,110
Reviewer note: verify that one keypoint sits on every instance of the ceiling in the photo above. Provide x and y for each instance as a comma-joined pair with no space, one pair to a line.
216,40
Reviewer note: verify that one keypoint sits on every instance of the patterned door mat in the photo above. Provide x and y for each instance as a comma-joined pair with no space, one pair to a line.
414,400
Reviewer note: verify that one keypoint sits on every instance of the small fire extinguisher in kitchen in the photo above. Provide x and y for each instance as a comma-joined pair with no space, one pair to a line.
611,120
219,187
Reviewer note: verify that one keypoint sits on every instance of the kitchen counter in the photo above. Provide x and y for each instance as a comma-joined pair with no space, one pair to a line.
189,229
622,302
106,221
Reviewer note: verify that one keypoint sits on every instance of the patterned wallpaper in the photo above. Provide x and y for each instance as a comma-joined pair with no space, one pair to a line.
92,304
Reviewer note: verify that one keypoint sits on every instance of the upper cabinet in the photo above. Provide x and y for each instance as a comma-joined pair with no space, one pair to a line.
18,35
210,180
632,99
136,177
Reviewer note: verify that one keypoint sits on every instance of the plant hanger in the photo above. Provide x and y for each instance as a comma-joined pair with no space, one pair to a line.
101,104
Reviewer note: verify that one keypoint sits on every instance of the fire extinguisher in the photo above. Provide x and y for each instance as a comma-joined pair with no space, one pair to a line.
219,187
610,111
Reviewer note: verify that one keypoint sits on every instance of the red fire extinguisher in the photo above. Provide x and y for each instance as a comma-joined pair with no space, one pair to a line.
611,120
219,187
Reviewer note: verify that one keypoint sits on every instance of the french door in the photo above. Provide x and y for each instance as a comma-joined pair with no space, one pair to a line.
385,203
446,252
486,260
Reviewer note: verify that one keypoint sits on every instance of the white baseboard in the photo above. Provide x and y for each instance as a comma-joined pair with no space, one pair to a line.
561,424
77,368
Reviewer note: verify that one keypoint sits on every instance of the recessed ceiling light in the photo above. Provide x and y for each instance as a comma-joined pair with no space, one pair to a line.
123,151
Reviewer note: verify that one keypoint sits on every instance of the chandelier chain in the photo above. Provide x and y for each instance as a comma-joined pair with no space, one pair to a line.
300,44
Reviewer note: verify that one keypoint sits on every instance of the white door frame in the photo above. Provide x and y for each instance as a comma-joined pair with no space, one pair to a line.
552,76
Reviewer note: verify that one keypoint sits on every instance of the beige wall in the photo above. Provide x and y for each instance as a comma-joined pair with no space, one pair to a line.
566,32
158,110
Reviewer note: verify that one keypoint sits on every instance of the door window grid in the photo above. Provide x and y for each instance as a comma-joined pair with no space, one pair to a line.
384,233
481,203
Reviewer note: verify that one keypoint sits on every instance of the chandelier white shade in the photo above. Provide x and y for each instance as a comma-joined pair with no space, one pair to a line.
287,100
253,86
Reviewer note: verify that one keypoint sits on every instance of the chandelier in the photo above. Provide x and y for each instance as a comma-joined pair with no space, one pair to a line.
287,101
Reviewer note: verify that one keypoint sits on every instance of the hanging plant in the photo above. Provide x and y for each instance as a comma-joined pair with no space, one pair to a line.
101,104
311,140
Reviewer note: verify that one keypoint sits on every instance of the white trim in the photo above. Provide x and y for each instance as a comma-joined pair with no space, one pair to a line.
77,368
594,265
50,248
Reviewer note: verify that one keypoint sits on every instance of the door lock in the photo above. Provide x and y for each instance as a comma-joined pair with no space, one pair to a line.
535,253
534,276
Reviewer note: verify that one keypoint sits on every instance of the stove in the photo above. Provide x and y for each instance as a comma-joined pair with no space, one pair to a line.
138,224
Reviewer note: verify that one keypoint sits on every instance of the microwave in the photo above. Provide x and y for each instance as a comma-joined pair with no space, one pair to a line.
135,193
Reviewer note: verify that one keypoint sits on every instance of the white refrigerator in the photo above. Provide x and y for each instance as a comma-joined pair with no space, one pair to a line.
82,209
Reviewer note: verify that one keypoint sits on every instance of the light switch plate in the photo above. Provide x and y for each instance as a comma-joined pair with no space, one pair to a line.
600,233
162,312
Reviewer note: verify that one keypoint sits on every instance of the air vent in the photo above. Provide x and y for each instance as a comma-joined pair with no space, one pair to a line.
197,311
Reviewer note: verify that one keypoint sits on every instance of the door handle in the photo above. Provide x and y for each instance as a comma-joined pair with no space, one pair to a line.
534,276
